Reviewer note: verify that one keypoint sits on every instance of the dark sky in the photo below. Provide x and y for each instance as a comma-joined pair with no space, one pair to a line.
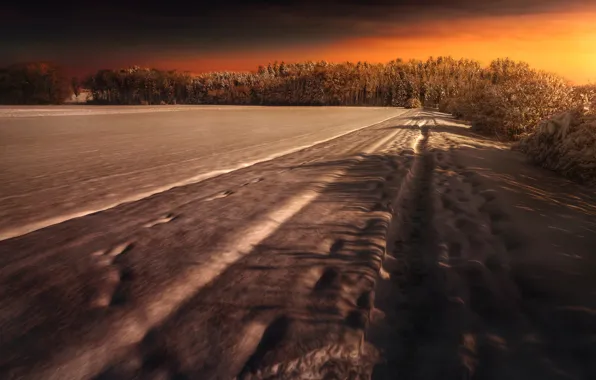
83,32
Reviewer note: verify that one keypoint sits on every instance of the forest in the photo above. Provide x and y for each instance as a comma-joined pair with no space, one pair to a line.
34,83
505,98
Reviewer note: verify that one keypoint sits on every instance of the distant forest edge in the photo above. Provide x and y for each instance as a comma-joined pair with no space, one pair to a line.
505,98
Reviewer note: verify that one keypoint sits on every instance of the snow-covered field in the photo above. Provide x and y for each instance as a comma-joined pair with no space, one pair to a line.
57,163
412,248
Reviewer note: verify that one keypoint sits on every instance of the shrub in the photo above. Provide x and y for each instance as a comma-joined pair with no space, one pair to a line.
445,105
515,100
413,103
454,106
565,143
585,97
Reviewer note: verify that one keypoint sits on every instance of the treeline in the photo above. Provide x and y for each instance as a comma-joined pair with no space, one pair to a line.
307,83
511,99
505,98
34,83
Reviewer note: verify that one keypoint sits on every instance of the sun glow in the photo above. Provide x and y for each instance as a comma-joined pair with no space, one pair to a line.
563,44
559,43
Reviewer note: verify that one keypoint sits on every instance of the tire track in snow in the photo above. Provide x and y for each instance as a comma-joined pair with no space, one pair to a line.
87,361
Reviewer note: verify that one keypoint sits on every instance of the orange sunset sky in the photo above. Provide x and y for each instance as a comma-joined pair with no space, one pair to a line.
554,35
562,43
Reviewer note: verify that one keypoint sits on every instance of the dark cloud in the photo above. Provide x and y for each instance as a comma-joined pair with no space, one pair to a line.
116,29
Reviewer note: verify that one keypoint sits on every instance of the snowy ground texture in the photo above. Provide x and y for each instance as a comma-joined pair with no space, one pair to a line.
409,249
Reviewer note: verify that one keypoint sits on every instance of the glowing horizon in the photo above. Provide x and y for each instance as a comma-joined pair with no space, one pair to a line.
552,35
544,41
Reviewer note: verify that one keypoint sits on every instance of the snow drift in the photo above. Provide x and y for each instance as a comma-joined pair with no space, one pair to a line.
565,143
